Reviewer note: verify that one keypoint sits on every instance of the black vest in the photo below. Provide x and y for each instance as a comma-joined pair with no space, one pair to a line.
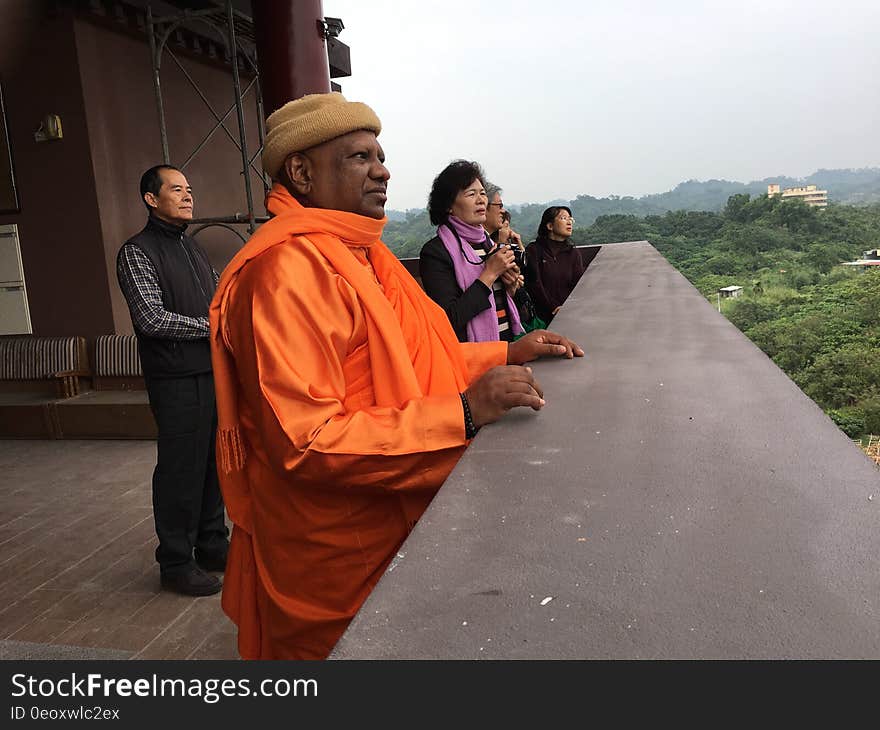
187,283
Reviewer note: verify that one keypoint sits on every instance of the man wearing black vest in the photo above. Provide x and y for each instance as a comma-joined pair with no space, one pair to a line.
168,283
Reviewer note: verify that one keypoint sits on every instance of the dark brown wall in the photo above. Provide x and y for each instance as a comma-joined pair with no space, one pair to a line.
58,224
124,132
79,195
20,19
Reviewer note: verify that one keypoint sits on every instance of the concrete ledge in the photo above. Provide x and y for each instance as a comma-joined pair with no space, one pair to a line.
27,415
106,414
92,415
678,497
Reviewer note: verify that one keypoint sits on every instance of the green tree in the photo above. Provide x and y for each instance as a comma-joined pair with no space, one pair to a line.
745,313
843,378
736,206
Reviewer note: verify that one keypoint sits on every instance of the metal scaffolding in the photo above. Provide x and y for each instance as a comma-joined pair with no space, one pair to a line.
235,30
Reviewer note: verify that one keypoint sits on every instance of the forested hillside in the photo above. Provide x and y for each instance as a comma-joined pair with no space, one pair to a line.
817,320
405,233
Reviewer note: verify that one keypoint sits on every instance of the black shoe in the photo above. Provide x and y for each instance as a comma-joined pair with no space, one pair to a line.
192,582
212,563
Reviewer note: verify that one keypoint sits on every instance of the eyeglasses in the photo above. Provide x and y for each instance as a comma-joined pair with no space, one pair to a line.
563,219
500,205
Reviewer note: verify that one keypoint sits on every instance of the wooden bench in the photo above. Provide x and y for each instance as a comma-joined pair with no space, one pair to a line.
48,390
36,372
118,363
118,407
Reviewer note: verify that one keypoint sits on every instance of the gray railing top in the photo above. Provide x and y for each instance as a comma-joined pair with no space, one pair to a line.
678,497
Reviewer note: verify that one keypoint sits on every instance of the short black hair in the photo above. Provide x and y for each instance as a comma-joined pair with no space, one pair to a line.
454,178
151,181
548,217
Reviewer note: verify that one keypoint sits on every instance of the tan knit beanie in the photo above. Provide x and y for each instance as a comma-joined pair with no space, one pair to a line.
309,121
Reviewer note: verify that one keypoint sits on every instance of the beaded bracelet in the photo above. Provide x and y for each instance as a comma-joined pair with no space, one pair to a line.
470,429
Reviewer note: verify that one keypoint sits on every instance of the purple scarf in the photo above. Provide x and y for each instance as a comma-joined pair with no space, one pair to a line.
468,266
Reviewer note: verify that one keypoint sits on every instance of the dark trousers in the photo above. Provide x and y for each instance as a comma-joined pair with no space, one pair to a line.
187,504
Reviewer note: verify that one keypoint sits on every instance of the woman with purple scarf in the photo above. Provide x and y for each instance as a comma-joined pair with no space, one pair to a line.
465,272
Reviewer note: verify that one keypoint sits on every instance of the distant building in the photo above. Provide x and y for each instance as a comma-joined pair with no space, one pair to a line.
731,291
869,258
808,193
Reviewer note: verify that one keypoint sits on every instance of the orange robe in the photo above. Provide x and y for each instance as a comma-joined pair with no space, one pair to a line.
337,385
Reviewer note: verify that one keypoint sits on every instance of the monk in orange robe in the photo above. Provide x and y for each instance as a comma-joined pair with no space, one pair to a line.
344,398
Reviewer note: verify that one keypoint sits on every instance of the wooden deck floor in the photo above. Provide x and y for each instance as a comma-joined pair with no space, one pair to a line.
77,572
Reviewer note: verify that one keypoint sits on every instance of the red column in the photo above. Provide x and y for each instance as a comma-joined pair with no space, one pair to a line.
291,50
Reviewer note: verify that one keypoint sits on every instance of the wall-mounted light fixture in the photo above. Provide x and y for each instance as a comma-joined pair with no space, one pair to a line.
50,128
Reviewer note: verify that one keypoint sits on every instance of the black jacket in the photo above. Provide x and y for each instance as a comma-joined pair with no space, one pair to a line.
438,281
187,283
552,272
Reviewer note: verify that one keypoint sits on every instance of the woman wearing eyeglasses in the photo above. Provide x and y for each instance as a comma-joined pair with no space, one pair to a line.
461,268
553,264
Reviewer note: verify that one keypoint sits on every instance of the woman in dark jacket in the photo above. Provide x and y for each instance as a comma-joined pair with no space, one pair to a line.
466,273
553,264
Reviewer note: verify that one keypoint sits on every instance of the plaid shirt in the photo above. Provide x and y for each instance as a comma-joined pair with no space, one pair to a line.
140,285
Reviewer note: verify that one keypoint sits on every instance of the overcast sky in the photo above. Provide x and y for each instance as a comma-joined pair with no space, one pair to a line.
622,97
